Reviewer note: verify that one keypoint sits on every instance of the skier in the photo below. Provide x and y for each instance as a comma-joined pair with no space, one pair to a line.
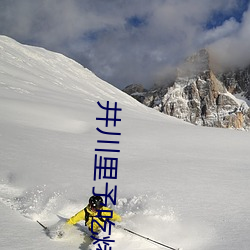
90,213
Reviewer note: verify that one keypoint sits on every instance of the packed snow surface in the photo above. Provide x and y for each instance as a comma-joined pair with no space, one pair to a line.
182,185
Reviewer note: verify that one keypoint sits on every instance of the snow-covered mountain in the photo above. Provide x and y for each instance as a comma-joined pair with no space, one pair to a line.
201,96
183,185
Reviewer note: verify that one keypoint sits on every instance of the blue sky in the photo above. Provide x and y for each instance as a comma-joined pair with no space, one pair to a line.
218,17
131,41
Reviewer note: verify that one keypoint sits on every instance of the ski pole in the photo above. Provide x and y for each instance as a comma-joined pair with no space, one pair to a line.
159,243
45,228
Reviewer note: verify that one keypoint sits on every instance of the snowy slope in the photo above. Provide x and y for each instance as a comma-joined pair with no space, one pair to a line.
182,185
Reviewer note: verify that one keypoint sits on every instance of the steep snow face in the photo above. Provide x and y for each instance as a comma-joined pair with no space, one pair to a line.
37,74
179,184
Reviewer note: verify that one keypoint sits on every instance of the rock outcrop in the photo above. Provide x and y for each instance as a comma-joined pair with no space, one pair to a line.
199,96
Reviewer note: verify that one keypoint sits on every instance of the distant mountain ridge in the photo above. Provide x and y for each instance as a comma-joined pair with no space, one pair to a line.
202,96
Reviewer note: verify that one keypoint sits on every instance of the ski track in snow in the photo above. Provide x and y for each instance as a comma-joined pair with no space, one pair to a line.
143,214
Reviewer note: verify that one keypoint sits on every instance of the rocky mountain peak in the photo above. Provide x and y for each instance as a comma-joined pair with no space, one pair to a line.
196,64
200,96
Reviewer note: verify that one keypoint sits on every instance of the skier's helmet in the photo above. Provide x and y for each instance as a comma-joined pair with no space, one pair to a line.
95,202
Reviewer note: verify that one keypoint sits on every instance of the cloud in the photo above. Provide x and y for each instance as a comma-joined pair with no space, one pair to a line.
228,28
121,41
233,49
